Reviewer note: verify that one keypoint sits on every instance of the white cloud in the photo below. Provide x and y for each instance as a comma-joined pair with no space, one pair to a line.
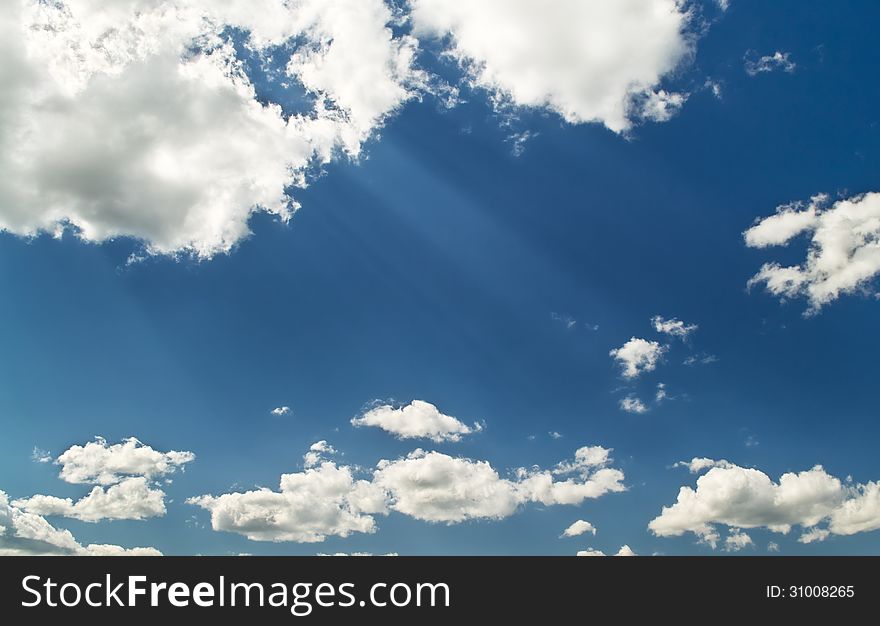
579,528
317,453
311,505
660,395
98,462
327,500
554,434
133,499
419,419
844,252
772,547
661,106
136,118
41,456
590,552
755,64
587,60
637,356
27,534
674,327
632,404
736,541
625,550
131,470
698,464
742,498
280,411
814,534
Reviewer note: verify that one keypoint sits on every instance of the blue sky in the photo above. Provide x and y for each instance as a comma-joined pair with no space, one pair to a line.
443,265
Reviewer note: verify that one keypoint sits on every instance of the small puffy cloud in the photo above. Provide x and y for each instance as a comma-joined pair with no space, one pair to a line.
625,550
587,60
98,462
590,552
674,327
661,105
417,420
632,404
742,498
843,255
637,356
133,499
317,453
737,541
280,411
554,434
755,64
23,533
814,534
772,547
700,464
660,395
580,527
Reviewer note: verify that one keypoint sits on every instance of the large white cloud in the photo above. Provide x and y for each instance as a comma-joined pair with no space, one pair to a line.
101,463
125,477
419,419
327,500
136,118
27,534
844,252
587,60
637,356
309,506
742,498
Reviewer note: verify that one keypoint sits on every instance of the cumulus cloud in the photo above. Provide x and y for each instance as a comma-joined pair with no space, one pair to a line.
327,500
24,533
579,528
419,419
309,506
632,404
280,411
625,550
137,118
756,64
674,327
587,60
98,462
736,541
742,498
637,356
131,469
844,252
699,464
133,498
